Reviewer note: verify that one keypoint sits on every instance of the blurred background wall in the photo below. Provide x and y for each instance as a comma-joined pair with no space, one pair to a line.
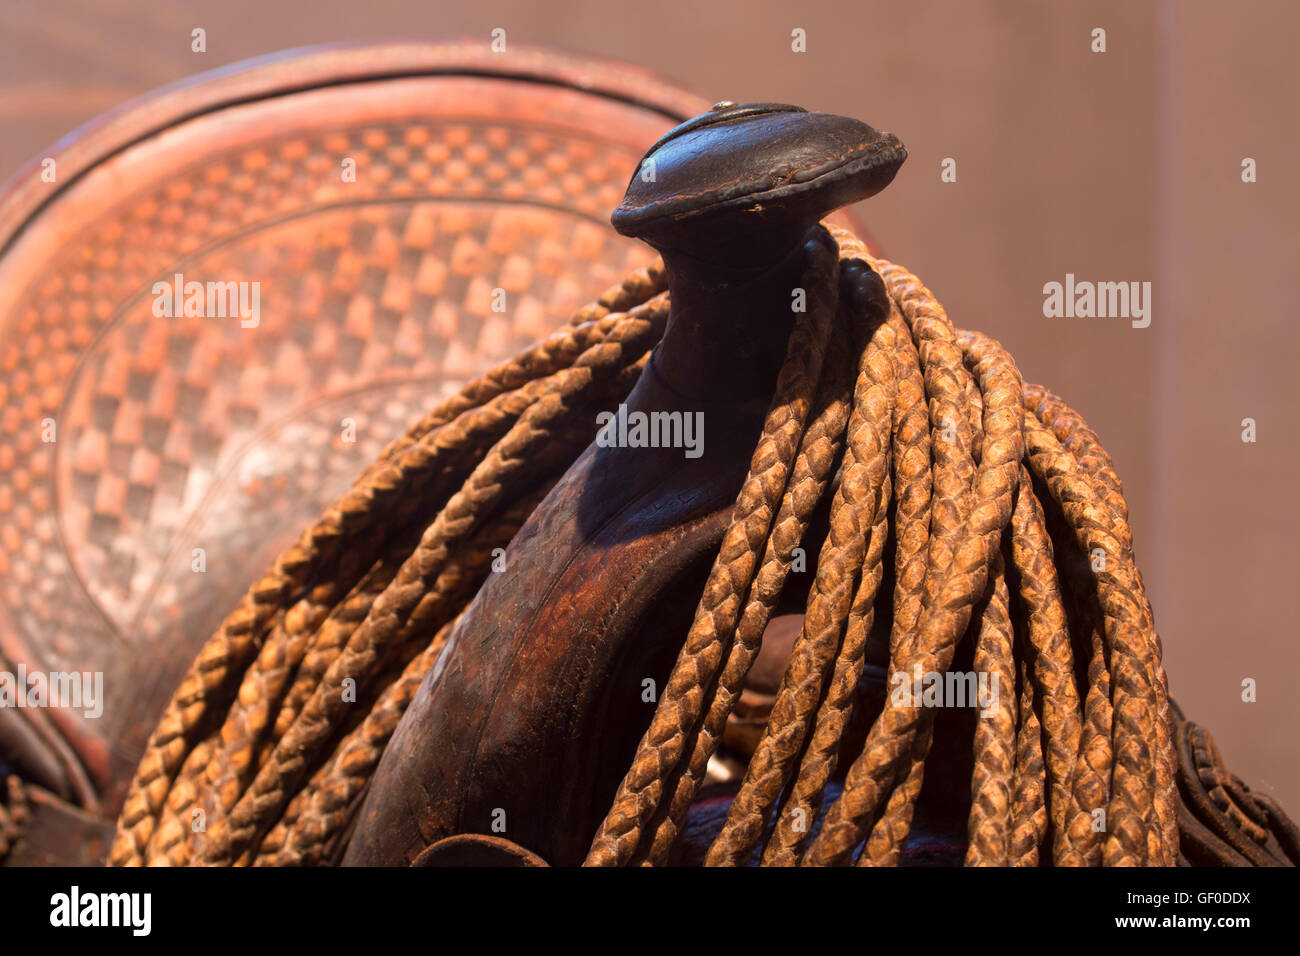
1115,166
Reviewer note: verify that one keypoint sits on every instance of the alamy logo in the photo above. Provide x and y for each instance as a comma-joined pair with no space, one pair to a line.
1102,300
626,429
76,690
75,908
953,689
214,300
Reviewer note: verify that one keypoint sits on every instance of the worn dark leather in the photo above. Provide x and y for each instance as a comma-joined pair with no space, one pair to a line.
536,706
742,181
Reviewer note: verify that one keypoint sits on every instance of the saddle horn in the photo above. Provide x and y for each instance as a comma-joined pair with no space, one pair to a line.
529,719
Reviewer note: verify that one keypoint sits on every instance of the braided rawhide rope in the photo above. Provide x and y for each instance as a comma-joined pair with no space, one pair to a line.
994,505
13,812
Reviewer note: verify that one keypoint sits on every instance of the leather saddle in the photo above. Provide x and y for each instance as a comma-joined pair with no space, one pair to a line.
380,198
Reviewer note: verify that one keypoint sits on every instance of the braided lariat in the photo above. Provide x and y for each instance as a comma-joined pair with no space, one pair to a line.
965,508
14,812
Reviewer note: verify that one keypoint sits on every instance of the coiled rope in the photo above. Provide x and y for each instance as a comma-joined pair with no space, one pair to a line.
994,508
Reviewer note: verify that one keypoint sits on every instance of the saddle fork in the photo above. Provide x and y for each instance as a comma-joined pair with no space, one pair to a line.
527,723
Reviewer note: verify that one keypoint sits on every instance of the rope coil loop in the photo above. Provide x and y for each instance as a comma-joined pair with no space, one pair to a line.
965,508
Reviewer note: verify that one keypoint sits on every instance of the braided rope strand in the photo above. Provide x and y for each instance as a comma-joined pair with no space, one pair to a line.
818,451
682,703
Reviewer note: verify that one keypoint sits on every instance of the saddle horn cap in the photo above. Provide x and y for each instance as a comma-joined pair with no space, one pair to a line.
751,170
